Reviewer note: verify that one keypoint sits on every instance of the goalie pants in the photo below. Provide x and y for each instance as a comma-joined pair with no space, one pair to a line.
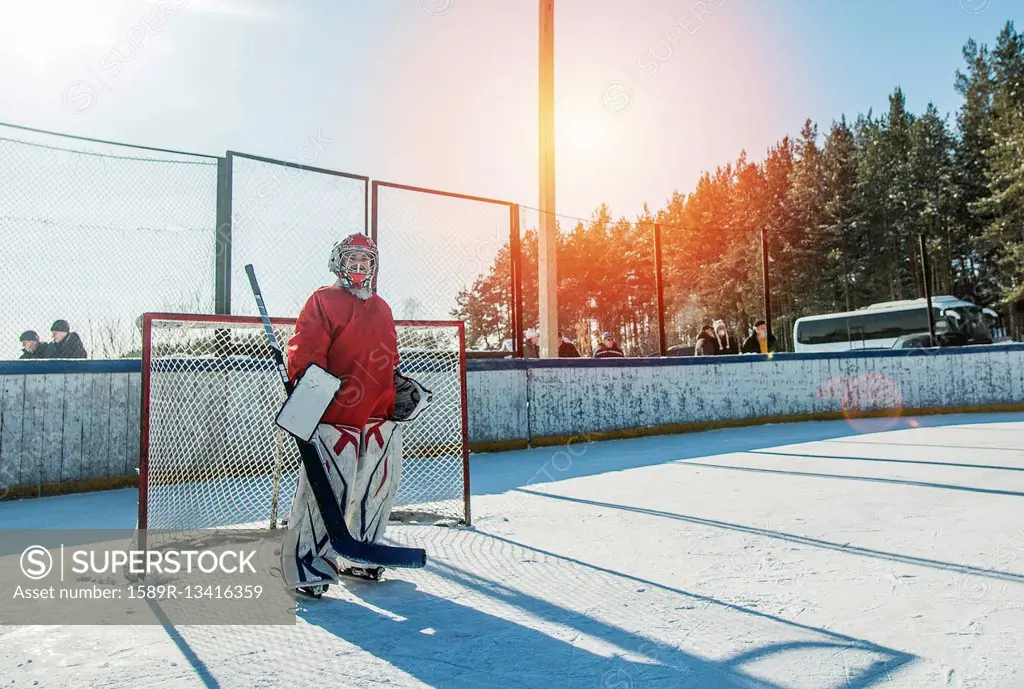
364,467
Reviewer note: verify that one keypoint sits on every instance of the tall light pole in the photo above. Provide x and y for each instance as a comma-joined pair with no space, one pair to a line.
547,239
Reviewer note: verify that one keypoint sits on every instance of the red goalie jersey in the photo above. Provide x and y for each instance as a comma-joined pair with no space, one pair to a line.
354,340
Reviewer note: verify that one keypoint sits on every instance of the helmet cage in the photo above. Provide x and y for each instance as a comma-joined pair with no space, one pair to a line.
354,262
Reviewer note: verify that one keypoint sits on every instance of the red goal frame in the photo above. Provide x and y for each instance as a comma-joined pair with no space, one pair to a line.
147,332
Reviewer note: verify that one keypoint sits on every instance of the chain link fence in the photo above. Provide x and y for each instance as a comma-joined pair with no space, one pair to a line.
445,256
96,233
883,307
285,218
710,276
606,281
1010,325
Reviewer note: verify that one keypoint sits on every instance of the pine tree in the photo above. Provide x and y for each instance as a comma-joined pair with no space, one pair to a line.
970,177
896,145
1004,234
843,262
872,233
813,283
932,193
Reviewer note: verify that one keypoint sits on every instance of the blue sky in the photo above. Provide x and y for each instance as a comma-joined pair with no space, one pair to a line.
447,97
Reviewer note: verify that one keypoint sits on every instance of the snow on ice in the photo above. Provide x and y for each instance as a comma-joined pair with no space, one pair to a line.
882,553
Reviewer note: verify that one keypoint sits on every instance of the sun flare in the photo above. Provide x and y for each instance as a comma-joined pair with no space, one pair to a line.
40,32
583,132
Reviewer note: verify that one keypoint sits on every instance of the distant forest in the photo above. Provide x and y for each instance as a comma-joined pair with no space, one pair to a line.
842,214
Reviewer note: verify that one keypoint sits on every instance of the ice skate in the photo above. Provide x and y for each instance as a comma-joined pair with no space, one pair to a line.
360,572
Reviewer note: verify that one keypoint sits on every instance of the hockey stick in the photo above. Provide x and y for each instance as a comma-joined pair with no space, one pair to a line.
341,539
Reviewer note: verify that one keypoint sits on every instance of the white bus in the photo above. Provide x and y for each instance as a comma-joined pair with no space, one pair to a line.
879,326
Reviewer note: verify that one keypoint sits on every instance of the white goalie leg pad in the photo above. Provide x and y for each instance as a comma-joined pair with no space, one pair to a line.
315,561
376,482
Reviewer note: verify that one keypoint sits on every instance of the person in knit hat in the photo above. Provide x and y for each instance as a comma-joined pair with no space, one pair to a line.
567,348
759,341
706,344
66,344
31,347
727,344
531,347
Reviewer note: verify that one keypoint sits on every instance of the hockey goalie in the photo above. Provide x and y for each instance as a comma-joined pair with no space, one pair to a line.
349,332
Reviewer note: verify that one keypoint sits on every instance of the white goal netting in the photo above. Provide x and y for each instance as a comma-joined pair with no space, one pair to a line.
212,456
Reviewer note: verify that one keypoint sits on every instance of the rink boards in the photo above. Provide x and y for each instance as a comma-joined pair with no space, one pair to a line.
569,399
69,426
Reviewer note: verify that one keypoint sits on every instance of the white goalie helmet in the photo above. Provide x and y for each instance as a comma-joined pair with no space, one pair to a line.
354,260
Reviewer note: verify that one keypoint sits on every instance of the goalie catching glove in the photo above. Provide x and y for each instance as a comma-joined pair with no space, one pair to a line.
411,398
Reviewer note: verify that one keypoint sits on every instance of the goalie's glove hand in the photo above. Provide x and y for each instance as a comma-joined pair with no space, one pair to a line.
411,398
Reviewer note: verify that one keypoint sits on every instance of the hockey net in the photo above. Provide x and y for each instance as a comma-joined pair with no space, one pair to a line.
212,456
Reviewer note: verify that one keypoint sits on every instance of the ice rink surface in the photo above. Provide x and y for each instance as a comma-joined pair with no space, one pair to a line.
873,553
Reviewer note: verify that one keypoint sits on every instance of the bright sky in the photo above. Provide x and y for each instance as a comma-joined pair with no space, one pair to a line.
442,94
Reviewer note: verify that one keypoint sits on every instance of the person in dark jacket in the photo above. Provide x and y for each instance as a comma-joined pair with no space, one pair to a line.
759,341
706,345
727,344
531,347
567,350
608,348
66,344
31,347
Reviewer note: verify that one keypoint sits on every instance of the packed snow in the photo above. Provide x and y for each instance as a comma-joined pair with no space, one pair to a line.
873,553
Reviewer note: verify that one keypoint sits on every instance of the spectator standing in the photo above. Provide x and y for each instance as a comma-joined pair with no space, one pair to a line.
727,344
567,349
706,345
31,347
608,348
759,342
531,348
66,344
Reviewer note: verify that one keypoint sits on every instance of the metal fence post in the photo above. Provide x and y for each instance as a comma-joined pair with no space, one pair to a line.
516,261
372,229
222,269
659,287
767,282
926,270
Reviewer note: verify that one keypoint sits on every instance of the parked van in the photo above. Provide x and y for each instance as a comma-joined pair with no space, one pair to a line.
880,325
